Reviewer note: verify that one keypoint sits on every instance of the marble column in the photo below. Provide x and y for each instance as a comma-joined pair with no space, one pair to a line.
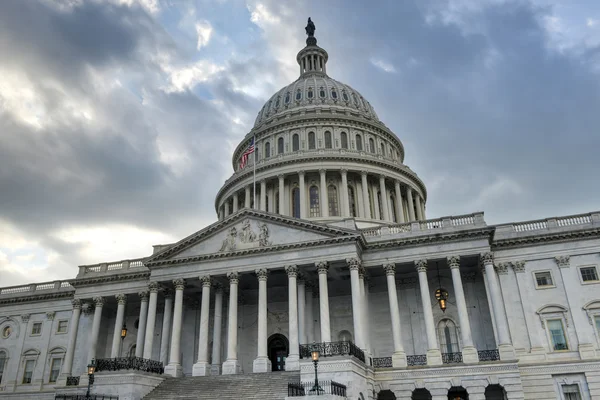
202,367
166,327
232,365
344,197
384,200
247,198
302,188
310,317
374,190
418,207
365,193
322,268
469,351
399,356
263,195
139,342
292,362
323,194
301,309
215,369
505,347
72,341
262,362
151,320
281,195
226,205
221,215
116,342
423,209
98,303
174,368
434,356
235,202
353,266
366,320
410,205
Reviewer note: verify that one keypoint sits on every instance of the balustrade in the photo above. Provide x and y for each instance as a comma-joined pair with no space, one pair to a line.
488,355
329,349
381,362
418,359
298,389
452,358
125,363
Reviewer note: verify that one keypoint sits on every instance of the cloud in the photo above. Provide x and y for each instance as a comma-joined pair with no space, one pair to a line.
204,31
383,65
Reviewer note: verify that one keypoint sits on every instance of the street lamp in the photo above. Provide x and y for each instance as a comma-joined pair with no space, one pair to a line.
123,334
315,357
90,370
442,296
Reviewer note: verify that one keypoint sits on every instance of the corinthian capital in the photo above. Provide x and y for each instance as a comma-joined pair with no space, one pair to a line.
487,258
179,283
153,287
353,263
99,301
121,299
322,267
563,261
502,268
262,274
76,303
234,277
206,280
291,270
390,269
453,262
519,266
421,265
143,295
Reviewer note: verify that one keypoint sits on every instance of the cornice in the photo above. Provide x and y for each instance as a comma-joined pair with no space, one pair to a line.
109,278
27,298
438,237
545,238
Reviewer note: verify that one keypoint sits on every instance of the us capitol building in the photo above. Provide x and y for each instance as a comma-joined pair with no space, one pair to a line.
336,254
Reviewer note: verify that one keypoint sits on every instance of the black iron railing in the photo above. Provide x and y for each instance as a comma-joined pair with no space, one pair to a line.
297,389
488,355
452,358
72,381
382,362
84,397
136,363
418,359
329,349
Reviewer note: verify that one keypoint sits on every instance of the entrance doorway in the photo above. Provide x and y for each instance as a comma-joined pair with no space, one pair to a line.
278,346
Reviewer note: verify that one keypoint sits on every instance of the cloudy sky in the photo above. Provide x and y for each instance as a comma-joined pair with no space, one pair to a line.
118,118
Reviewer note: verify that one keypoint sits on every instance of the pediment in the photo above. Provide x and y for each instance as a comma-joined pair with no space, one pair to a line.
250,231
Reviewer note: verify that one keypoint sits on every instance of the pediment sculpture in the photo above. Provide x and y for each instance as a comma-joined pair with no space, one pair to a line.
246,238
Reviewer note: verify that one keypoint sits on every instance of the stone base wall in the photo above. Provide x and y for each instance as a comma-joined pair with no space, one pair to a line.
128,385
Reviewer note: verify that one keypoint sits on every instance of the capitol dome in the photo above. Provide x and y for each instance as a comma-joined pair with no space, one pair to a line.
321,153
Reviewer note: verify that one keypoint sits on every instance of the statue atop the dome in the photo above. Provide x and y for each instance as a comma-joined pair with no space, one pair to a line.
310,28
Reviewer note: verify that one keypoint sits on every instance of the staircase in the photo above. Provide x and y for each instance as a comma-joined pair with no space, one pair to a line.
269,386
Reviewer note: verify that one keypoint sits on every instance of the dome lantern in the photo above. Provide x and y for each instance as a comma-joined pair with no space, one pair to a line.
312,58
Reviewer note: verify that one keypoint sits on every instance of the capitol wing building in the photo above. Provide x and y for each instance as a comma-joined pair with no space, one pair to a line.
322,244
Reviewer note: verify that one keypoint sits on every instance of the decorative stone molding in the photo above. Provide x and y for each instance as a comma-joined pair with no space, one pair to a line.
322,267
563,261
421,265
353,263
121,299
291,271
390,269
206,281
486,258
143,295
518,266
98,301
179,284
502,268
362,273
50,315
553,311
234,277
25,317
153,287
262,274
453,262
76,303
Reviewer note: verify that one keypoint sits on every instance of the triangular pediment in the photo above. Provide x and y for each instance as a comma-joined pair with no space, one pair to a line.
250,231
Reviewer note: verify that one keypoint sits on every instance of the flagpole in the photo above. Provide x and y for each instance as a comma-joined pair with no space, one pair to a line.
254,174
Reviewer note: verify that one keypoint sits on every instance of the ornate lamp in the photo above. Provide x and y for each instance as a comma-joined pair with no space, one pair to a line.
441,294
123,331
91,368
315,357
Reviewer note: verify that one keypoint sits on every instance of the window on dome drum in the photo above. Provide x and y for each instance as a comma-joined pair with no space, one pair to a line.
280,145
352,201
355,99
55,369
310,93
333,201
298,95
345,96
571,392
393,208
448,336
36,329
314,201
371,145
295,142
557,334
380,204
28,371
287,98
267,150
276,202
588,274
333,94
328,141
344,137
296,202
359,144
3,358
382,149
312,143
543,279
322,93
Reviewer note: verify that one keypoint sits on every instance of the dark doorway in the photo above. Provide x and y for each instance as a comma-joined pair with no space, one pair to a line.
495,392
386,395
421,394
278,346
458,393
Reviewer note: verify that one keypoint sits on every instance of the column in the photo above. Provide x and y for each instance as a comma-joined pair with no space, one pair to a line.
365,193
384,200
310,322
344,190
292,362
226,205
139,343
505,347
174,368
235,202
301,309
399,356
281,195
302,188
418,207
166,327
364,314
322,268
220,213
231,366
262,362
324,202
411,207
150,325
353,266
116,342
98,303
263,196
423,209
202,367
247,197
217,323
73,328
434,356
469,351
374,190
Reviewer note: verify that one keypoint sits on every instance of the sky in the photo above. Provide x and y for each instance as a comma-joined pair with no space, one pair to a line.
118,118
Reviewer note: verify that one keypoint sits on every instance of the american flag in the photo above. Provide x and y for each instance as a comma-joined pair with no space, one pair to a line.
248,151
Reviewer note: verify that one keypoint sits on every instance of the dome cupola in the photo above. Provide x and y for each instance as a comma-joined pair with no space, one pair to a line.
312,59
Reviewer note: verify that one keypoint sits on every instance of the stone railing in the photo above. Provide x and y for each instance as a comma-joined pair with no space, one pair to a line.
381,362
488,355
460,221
579,221
329,349
112,267
416,360
36,288
128,363
316,388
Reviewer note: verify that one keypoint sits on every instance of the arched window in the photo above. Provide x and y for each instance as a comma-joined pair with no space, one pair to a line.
57,355
3,362
287,98
322,93
355,99
328,141
310,93
448,336
132,351
277,102
344,137
276,204
333,201
280,145
352,202
393,207
267,150
497,392
298,95
382,149
314,201
359,144
380,204
421,394
312,143
345,336
296,202
333,94
371,145
295,142
345,96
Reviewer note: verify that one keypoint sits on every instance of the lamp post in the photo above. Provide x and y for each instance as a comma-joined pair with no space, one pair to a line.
123,334
90,370
315,357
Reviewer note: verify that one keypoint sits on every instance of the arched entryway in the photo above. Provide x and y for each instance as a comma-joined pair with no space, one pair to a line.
495,392
278,346
386,395
458,393
421,394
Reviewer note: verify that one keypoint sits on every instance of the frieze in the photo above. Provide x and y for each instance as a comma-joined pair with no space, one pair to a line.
246,238
38,297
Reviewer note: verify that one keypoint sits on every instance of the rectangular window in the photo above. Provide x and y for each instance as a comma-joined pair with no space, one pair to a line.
557,334
55,369
589,274
36,329
543,279
597,320
62,327
28,372
571,392
2,362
